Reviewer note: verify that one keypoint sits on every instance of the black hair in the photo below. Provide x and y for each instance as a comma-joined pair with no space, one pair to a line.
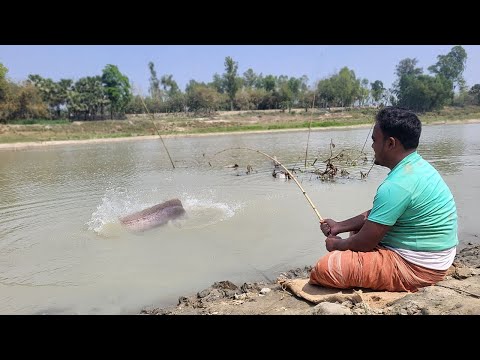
401,124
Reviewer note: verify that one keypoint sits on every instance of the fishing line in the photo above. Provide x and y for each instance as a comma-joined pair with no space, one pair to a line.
288,172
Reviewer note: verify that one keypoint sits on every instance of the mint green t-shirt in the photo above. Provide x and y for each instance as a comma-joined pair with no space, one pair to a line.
417,203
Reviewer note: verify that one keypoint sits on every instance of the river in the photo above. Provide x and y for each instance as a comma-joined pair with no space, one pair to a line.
63,250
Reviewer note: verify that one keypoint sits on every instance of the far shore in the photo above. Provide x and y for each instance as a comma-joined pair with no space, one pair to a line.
35,144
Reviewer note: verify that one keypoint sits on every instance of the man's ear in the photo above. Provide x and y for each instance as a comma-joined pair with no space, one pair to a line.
392,142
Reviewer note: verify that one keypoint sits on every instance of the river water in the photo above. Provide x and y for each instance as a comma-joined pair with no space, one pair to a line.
63,250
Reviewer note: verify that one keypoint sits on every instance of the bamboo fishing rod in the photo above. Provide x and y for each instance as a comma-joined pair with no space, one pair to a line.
275,161
158,133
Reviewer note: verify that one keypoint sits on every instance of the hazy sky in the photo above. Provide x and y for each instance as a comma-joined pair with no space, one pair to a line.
201,62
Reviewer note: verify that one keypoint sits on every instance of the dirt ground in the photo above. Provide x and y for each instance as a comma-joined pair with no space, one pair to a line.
457,294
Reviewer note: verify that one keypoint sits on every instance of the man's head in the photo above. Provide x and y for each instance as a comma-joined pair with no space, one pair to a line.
396,134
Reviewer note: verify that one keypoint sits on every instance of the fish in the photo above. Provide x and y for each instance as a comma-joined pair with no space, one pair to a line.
154,216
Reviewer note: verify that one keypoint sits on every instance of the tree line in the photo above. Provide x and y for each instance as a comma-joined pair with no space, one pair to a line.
110,95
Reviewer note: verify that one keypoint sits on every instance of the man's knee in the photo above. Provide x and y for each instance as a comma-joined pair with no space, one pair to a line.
320,270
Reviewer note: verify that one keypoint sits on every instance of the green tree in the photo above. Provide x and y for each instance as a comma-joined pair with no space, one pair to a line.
377,90
172,91
117,87
474,92
87,98
218,83
408,67
55,94
177,102
269,83
243,99
389,97
423,92
3,82
169,85
46,88
29,103
202,98
306,99
230,76
290,90
154,88
363,92
345,86
22,101
462,98
250,78
452,66
135,105
326,93
64,88
406,72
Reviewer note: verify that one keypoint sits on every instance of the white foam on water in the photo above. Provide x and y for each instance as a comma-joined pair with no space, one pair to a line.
204,210
115,203
201,210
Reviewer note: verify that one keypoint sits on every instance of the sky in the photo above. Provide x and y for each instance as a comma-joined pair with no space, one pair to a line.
201,62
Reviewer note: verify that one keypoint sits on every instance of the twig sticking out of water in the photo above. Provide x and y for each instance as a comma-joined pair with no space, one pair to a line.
288,172
368,135
309,129
364,175
148,112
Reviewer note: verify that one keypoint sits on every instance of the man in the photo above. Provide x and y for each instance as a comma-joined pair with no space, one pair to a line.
408,239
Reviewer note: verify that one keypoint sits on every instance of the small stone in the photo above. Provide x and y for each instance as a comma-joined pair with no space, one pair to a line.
265,291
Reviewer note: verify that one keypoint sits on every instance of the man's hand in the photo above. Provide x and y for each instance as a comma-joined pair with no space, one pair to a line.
331,242
329,227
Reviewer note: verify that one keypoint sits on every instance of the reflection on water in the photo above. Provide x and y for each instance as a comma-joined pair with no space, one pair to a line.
62,249
446,150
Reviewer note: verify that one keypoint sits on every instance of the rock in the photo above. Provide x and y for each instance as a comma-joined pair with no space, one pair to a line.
327,308
248,287
462,273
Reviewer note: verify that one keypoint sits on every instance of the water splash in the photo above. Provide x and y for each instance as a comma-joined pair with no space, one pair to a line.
115,203
202,210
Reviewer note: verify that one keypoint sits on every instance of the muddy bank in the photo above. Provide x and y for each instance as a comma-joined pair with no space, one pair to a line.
132,137
458,294
36,144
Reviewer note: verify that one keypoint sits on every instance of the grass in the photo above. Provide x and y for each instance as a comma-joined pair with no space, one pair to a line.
39,122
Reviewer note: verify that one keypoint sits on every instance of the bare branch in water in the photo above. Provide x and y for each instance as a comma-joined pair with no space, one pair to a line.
363,176
288,172
309,129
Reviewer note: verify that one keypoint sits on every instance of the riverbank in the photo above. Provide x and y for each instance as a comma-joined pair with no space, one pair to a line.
457,294
23,134
28,145
35,144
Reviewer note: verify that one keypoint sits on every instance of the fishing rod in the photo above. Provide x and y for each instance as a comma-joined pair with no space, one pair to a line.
148,112
288,172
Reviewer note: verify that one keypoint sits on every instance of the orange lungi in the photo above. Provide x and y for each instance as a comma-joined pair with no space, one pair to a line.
379,269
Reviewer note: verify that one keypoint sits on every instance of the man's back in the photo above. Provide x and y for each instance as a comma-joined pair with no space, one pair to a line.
417,203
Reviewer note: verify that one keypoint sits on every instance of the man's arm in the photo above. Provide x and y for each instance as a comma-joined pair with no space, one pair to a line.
366,239
352,224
